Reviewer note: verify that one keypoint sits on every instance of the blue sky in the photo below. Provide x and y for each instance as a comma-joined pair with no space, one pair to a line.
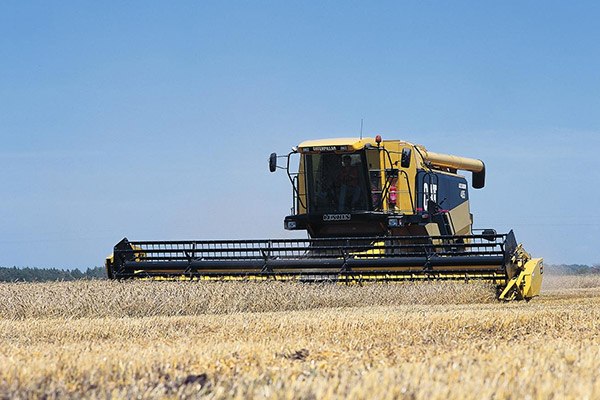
154,120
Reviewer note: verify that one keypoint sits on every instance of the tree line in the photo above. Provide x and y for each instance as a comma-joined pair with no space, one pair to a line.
28,274
572,269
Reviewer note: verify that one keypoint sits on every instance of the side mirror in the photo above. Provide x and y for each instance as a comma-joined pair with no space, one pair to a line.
273,162
405,160
489,234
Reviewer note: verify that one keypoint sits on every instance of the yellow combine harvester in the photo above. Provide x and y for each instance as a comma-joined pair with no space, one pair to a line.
374,210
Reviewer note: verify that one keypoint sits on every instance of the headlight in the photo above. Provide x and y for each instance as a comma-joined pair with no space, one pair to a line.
290,225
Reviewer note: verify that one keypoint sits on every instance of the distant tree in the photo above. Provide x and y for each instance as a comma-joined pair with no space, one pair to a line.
96,273
76,274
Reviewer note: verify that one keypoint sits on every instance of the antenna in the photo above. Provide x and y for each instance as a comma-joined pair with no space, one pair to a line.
361,127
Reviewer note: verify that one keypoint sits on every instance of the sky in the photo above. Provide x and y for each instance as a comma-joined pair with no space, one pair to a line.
154,120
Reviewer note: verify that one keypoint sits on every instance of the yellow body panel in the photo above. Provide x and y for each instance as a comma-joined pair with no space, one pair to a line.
406,184
527,283
433,229
532,277
461,219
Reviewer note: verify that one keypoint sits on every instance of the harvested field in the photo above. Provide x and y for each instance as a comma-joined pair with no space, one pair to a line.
145,299
283,340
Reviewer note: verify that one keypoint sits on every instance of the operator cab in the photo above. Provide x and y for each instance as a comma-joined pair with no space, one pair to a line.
338,189
352,187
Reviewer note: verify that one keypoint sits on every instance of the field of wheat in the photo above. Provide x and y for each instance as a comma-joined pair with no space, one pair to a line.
102,339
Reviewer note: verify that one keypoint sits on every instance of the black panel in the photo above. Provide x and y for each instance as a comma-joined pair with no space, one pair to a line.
449,191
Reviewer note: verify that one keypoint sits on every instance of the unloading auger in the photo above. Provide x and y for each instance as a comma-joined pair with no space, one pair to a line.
374,210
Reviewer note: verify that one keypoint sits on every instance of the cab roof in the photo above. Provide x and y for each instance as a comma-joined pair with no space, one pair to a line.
351,143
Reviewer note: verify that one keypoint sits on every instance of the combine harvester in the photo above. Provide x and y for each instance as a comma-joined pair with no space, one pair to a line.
374,210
